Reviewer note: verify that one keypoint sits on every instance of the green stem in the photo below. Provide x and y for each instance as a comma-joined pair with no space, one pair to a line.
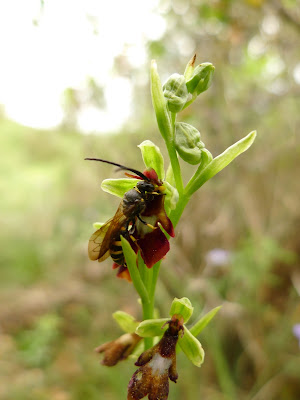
180,206
175,165
148,314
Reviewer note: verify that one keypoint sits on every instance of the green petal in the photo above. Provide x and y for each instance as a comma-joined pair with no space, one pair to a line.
153,158
220,162
191,347
201,324
126,321
152,327
118,187
183,307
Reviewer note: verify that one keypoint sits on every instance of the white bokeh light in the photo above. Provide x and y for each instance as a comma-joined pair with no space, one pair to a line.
61,50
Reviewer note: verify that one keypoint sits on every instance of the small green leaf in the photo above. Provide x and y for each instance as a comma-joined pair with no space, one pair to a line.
152,327
191,347
131,259
183,307
118,187
126,321
220,162
153,158
201,324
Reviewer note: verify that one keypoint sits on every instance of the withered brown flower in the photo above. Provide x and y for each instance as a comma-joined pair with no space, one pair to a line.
118,349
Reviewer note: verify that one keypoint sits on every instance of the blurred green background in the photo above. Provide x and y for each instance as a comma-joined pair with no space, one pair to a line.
237,243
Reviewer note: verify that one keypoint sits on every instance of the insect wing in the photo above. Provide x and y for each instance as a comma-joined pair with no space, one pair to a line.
96,241
101,240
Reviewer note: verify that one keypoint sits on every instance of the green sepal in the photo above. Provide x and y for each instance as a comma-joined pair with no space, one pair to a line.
220,162
204,321
153,158
201,78
191,347
126,321
152,327
176,93
118,187
182,307
188,143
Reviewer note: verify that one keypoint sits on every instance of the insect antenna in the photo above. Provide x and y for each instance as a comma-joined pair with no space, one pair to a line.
121,167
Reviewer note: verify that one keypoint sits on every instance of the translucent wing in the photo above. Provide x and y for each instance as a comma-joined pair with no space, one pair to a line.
95,243
100,241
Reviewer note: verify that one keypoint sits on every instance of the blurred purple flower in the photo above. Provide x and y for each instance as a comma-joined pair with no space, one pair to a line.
218,257
296,332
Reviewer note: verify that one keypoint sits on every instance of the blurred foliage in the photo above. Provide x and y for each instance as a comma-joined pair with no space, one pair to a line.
56,305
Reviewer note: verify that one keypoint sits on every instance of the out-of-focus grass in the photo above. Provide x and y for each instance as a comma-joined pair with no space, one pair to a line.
56,305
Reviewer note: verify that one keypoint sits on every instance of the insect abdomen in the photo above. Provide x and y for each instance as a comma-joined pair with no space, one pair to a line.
116,252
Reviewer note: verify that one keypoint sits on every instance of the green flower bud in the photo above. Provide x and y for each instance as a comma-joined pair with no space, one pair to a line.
201,79
182,307
126,321
152,327
188,143
176,93
153,158
191,347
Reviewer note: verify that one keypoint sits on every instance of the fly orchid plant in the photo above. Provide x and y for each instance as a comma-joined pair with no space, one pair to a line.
140,239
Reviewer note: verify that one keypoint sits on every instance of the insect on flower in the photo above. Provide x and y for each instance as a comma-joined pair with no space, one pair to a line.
145,200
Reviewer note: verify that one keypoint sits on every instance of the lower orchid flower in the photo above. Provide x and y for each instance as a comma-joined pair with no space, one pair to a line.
157,366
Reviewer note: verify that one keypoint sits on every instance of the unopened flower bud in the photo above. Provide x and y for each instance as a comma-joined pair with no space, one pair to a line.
188,143
176,93
201,78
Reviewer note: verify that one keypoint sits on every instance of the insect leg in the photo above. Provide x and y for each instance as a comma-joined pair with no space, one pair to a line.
145,223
